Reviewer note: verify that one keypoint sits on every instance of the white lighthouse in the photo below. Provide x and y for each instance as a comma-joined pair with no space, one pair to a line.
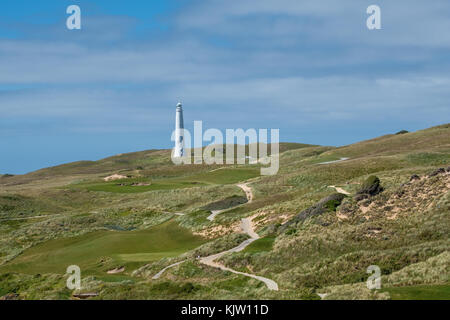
179,132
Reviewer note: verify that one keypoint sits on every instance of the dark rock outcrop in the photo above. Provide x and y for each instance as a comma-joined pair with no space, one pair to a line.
226,203
327,204
369,188
436,172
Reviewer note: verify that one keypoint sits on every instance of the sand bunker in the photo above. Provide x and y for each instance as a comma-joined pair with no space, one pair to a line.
115,177
116,270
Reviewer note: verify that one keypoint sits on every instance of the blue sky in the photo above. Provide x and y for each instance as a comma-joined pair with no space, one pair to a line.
310,68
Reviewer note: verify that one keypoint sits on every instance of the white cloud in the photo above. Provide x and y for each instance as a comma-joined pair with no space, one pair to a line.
267,61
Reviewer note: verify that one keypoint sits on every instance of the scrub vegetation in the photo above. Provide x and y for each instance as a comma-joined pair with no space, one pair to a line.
314,239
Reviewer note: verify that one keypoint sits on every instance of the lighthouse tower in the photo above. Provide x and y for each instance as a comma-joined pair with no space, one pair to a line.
179,132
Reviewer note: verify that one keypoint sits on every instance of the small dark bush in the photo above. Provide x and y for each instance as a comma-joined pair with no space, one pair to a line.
402,132
291,231
187,288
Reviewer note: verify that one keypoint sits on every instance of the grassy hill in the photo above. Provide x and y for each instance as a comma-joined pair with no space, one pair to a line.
69,214
116,248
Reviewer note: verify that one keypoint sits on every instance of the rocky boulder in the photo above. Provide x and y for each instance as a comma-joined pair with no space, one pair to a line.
369,188
327,204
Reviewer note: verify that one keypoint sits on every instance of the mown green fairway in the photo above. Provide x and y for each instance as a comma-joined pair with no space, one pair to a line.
218,176
97,252
225,175
423,292
128,188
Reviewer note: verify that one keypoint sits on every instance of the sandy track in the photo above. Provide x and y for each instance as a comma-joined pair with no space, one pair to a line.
247,227
248,191
334,161
340,190
176,213
214,213
156,276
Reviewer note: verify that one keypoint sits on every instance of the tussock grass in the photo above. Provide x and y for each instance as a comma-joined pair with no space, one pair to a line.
104,225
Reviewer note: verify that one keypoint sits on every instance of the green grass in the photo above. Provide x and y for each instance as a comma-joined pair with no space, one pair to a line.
427,158
321,159
96,252
422,292
196,219
260,245
322,252
225,176
236,282
115,187
220,176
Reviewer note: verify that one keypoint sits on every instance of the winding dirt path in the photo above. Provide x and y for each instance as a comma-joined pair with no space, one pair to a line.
248,191
156,276
214,213
247,227
334,161
175,213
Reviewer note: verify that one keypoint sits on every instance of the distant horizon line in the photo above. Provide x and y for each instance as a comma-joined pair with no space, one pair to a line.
160,149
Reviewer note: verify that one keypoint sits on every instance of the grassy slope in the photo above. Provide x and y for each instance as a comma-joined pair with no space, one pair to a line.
97,251
260,245
218,176
310,258
315,255
423,292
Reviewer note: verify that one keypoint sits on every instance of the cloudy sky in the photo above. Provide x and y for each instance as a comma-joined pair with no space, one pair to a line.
310,68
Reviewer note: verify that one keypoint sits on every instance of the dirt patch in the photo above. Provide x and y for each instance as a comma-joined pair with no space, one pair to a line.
419,194
341,216
218,231
340,190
